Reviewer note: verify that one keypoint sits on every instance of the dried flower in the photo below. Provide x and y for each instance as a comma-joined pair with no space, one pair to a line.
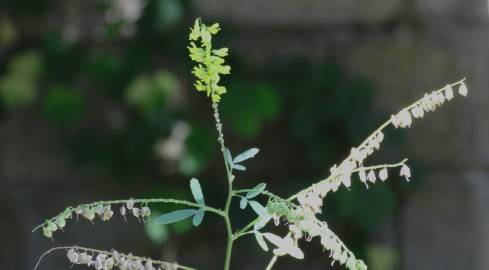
383,174
136,212
107,213
72,256
145,211
405,172
448,92
462,90
371,176
130,203
417,112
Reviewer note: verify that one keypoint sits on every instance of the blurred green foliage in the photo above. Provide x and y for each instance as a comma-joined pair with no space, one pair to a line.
63,105
19,85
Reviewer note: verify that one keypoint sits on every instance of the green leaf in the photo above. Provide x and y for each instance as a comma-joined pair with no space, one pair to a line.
264,219
175,216
261,241
239,167
258,208
198,217
243,203
285,245
250,153
256,190
229,157
197,191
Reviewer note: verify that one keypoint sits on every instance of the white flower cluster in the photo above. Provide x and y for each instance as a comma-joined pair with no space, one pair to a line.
311,200
102,210
429,103
111,260
312,227
313,197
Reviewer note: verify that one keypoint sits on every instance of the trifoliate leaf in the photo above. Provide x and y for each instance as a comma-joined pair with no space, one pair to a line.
175,216
256,190
243,203
197,191
239,167
285,245
261,241
229,157
198,217
246,155
258,208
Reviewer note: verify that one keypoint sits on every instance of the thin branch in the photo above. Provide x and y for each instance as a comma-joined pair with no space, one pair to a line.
145,201
373,134
110,253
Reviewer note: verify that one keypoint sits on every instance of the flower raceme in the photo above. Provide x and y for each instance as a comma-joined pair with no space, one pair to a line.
298,212
210,62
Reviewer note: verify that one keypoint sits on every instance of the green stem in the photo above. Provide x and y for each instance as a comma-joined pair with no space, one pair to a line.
229,228
271,263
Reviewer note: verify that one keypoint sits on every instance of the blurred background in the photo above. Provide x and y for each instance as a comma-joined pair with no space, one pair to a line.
96,102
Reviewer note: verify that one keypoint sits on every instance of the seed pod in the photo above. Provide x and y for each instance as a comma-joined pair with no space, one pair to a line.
72,256
145,212
136,212
47,232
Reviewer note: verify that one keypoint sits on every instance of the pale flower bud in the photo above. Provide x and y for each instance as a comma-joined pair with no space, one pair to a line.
405,172
448,92
462,90
371,176
383,174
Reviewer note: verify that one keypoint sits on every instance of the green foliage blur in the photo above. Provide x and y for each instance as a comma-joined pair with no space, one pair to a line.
125,107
